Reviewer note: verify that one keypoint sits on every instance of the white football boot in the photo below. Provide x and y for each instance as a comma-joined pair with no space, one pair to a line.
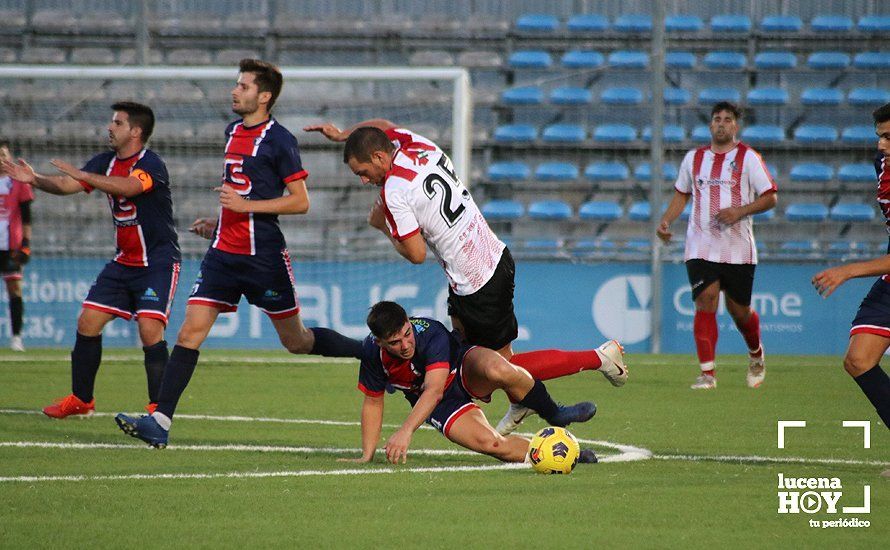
756,370
613,367
16,344
704,382
513,418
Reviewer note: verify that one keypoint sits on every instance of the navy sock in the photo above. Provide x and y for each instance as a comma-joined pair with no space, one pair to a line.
85,359
875,384
177,374
16,313
156,357
331,343
538,399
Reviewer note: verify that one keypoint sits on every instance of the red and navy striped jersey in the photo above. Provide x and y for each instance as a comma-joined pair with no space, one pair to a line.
882,171
260,160
13,194
143,224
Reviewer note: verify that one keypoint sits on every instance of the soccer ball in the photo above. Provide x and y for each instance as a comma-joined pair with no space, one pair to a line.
554,451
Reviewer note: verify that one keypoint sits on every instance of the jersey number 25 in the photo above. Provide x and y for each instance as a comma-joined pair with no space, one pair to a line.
436,182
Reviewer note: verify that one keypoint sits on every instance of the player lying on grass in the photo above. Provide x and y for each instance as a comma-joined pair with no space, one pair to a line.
441,376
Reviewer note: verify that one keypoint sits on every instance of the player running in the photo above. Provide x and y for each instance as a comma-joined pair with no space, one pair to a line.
15,243
140,281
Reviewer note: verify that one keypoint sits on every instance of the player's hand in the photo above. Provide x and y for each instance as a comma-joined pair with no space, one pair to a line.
664,232
328,130
229,198
397,446
826,282
20,171
376,217
203,227
729,216
68,169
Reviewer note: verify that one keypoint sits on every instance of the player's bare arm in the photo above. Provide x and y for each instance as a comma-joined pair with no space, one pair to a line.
295,202
372,424
412,249
334,133
731,215
433,388
673,211
113,185
55,185
827,281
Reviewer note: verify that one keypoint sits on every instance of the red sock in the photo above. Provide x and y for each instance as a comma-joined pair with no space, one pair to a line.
553,363
751,331
704,328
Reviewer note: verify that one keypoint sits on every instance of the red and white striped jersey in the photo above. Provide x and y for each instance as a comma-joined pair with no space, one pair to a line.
12,194
422,193
717,181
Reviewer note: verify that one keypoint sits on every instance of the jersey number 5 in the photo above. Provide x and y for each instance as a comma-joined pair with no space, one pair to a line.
235,175
449,214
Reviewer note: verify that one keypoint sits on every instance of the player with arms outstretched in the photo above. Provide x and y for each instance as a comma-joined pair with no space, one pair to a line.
15,243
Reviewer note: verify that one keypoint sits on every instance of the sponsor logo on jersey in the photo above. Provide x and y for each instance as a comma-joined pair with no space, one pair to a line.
420,325
150,294
271,295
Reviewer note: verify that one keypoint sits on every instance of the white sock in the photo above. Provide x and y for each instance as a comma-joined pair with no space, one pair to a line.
162,419
710,365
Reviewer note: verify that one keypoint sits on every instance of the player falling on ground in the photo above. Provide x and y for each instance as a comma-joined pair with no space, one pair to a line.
423,203
870,334
15,243
247,256
440,376
728,183
141,280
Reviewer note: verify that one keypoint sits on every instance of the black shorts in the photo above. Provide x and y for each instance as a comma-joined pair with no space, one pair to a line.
873,316
736,280
10,268
487,314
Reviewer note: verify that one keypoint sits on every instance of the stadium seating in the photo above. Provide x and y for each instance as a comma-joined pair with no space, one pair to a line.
503,210
831,23
530,59
628,59
643,172
537,23
588,23
763,134
852,212
525,95
868,96
821,96
859,134
730,23
725,60
677,96
872,60
781,23
767,96
633,23
828,60
615,133
874,23
570,95
713,95
582,59
556,171
703,133
607,171
602,211
765,216
550,210
811,171
857,173
508,171
515,133
622,96
671,133
775,60
564,133
815,133
639,211
683,23
680,60
806,212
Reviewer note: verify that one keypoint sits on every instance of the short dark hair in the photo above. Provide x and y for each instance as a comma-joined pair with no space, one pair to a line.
882,113
386,318
267,77
5,143
727,106
364,141
139,115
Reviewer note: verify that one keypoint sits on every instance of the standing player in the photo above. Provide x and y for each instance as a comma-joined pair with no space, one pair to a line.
247,255
728,183
440,377
423,202
141,279
870,335
15,242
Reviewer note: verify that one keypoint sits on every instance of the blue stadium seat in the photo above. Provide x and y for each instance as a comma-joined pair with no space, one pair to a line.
710,96
828,60
622,96
821,96
775,60
677,96
806,212
859,134
874,23
523,95
868,96
762,133
831,23
515,133
605,211
725,60
631,22
571,133
730,23
683,23
503,210
639,211
588,22
857,172
629,59
535,22
556,171
765,216
549,210
815,133
638,245
582,59
530,59
781,23
671,133
600,244
607,171
852,212
570,95
811,171
767,96
643,172
550,245
800,247
615,133
773,170
872,60
679,60
701,133
508,171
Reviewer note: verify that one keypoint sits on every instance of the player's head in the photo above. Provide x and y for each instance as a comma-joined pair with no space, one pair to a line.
131,123
724,123
259,84
391,329
368,152
882,127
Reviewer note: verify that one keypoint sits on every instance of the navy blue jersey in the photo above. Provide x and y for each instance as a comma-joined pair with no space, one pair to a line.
143,224
436,348
260,160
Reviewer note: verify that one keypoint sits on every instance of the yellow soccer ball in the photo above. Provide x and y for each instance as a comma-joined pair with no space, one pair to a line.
554,451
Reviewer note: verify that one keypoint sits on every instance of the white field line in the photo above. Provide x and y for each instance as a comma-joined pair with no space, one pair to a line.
301,359
772,460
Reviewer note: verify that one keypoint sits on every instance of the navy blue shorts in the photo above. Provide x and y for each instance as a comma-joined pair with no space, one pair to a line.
126,291
266,281
456,401
873,316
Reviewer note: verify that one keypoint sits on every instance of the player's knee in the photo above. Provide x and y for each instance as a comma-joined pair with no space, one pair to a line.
298,344
855,366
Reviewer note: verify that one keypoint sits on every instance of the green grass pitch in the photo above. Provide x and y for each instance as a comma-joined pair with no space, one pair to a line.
712,480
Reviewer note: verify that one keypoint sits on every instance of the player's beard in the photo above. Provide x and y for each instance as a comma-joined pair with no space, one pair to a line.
245,108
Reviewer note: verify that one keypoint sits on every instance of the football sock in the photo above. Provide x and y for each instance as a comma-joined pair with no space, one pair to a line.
546,364
85,359
539,400
156,357
331,343
750,330
704,328
16,312
177,374
875,384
